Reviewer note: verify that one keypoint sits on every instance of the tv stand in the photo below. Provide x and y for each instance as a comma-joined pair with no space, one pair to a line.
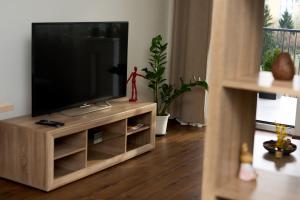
47,158
86,108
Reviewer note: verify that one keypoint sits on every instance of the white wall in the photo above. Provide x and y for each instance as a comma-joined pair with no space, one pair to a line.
146,19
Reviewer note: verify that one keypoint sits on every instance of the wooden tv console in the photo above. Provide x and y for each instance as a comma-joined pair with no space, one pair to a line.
47,158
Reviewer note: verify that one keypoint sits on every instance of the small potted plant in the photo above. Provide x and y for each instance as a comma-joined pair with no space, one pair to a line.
164,94
282,146
269,58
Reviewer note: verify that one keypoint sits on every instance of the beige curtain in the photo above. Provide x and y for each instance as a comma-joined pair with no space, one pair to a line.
191,30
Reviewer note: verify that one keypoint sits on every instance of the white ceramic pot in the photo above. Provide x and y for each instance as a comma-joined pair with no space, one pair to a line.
161,124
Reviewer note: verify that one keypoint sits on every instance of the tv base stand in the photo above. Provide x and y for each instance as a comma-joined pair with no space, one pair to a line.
47,158
86,108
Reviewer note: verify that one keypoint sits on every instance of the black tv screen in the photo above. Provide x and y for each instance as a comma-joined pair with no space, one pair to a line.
77,63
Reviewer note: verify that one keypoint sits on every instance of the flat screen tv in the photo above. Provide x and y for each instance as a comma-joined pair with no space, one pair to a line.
77,63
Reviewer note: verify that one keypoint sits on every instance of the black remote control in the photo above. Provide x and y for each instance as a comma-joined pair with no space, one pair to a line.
50,123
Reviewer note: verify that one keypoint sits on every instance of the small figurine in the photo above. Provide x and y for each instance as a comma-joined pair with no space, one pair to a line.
247,172
282,146
283,67
281,135
282,143
133,76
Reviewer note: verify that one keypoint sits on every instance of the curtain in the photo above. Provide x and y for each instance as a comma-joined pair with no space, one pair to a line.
190,43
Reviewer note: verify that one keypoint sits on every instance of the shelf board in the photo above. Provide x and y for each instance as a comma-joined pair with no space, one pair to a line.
265,82
60,171
129,132
62,150
95,157
131,147
272,185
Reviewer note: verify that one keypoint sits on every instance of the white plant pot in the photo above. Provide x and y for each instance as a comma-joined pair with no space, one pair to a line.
161,124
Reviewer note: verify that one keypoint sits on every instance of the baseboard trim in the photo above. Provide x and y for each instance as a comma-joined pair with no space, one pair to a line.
268,126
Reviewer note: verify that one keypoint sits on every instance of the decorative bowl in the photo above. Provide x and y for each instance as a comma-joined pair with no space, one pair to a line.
271,145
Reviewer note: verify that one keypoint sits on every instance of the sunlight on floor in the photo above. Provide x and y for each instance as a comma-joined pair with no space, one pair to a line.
289,165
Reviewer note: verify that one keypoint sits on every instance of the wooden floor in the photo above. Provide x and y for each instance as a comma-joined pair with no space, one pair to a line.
172,171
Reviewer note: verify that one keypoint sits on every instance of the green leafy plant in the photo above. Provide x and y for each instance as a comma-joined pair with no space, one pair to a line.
164,94
269,58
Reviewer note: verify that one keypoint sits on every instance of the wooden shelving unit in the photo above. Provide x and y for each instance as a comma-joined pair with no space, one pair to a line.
234,59
264,82
47,158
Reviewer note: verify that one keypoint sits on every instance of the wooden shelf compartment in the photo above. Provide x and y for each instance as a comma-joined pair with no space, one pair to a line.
233,124
264,82
108,132
234,59
144,119
268,185
69,164
105,150
70,144
138,139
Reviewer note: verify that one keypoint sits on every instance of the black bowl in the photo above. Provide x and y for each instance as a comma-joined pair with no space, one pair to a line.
270,146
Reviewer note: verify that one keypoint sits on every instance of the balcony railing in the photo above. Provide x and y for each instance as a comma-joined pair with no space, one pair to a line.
288,40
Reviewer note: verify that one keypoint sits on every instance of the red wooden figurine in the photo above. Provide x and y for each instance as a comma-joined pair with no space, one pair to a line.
133,76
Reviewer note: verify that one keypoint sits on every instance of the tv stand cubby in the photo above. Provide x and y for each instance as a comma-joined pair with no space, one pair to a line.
47,158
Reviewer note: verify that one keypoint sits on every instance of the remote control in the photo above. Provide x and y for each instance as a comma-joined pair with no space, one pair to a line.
50,123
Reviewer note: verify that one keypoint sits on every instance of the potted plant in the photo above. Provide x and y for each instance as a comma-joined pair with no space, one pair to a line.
164,94
269,58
